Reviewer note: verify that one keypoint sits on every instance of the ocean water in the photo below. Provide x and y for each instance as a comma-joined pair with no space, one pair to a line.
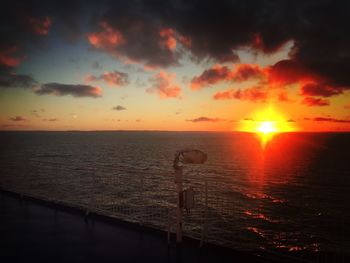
291,196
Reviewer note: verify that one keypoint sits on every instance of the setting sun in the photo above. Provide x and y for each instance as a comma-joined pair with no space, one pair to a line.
267,127
266,124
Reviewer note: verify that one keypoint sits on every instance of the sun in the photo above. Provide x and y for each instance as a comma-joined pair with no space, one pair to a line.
267,127
266,124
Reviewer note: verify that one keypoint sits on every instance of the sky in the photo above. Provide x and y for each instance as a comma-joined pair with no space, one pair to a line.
174,65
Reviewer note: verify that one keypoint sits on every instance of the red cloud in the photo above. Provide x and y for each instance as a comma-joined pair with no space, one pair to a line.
330,120
162,84
115,78
287,72
40,26
167,38
185,41
283,96
311,101
8,59
245,72
315,89
283,73
217,73
254,94
106,39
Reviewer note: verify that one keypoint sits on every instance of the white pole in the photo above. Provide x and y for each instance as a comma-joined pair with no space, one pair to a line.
178,181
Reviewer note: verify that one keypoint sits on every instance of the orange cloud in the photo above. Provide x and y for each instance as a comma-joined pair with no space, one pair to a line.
283,97
113,78
254,94
167,38
162,85
311,101
106,39
210,76
7,57
40,26
217,73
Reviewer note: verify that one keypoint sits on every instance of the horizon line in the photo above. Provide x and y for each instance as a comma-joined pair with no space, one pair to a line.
213,131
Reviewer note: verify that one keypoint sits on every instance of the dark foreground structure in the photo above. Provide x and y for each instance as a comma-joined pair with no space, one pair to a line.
37,231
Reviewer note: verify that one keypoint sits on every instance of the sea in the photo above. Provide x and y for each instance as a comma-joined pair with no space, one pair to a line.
290,196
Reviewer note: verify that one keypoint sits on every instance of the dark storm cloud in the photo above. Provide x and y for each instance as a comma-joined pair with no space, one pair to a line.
11,80
314,89
156,32
77,90
216,29
26,22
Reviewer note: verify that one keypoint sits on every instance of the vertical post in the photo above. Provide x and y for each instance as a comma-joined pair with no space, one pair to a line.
141,200
204,231
178,181
168,232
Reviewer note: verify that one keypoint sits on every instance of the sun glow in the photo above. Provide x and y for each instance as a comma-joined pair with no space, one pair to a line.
266,124
267,127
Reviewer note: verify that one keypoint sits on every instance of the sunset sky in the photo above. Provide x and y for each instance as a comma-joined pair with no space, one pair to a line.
174,65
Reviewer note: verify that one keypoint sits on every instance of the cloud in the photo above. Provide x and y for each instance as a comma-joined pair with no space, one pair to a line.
96,65
315,89
25,23
328,119
254,94
119,108
216,30
163,86
51,119
75,90
35,113
283,97
210,76
18,118
107,39
11,80
113,78
218,73
151,32
204,119
10,58
136,38
40,26
167,38
311,101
